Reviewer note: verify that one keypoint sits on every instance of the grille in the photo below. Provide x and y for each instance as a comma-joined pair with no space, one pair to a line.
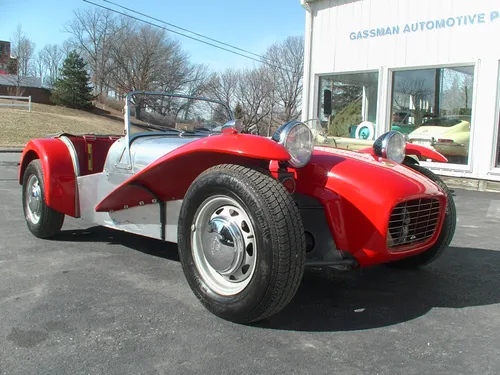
413,222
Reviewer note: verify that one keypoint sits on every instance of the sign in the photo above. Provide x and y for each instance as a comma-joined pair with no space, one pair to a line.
434,24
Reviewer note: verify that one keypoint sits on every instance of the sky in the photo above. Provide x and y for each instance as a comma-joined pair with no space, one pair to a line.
252,25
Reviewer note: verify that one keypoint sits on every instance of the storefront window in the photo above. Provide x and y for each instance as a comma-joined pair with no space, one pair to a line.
433,107
348,108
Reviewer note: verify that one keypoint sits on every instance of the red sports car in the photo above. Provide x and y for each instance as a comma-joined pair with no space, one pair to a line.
248,213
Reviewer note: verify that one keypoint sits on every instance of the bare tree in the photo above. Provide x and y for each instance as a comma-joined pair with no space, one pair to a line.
92,33
143,59
286,61
39,69
23,49
52,57
224,85
197,80
254,93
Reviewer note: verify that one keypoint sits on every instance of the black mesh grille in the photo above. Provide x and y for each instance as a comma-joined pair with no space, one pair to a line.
413,222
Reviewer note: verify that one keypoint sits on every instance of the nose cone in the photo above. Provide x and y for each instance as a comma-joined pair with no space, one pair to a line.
359,195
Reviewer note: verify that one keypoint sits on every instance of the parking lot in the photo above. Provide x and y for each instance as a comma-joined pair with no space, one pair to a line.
95,301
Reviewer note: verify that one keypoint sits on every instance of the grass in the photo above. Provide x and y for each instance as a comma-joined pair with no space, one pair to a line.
18,126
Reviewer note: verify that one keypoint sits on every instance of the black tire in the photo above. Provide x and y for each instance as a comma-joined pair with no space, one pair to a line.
279,240
447,231
50,221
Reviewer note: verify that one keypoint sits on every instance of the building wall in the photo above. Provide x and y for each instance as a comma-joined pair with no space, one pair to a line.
4,54
387,36
38,95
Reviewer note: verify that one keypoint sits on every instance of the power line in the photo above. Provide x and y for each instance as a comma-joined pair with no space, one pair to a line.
187,36
184,29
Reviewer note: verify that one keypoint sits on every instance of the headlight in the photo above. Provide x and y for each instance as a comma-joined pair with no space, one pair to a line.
297,138
391,145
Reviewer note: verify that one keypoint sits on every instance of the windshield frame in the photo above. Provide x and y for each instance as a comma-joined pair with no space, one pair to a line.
126,160
129,104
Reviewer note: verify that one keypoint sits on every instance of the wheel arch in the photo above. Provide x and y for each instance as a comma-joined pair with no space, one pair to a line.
58,173
27,157
152,183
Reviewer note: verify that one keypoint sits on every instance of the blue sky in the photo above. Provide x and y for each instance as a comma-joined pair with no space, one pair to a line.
252,25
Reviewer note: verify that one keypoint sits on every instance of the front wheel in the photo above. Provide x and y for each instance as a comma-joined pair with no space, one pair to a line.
241,243
447,230
42,221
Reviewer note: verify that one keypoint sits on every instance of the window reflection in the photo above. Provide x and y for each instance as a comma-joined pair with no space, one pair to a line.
433,107
348,108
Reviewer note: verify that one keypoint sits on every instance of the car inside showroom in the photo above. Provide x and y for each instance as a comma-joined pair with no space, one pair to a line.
427,69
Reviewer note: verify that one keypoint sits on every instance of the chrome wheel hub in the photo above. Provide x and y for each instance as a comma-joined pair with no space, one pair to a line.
223,245
33,199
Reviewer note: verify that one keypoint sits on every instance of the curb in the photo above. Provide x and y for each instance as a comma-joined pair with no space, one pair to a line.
11,150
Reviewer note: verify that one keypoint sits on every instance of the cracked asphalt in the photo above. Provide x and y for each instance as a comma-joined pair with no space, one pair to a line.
95,301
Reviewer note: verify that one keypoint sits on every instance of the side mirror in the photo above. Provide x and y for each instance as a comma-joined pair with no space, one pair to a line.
327,102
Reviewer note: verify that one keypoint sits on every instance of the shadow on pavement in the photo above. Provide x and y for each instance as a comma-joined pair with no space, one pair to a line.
378,297
361,299
145,245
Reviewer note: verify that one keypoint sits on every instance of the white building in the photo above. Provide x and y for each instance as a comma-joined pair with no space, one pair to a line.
400,64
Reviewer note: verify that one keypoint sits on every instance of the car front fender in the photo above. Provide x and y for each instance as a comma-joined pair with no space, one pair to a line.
425,152
169,177
416,150
58,173
358,194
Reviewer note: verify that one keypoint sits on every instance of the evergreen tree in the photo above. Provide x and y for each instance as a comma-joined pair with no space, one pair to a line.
238,112
73,88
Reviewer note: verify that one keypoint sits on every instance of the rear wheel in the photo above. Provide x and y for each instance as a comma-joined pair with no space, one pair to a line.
447,230
42,221
241,243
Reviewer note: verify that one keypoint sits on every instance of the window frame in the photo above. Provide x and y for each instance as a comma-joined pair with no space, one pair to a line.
380,91
494,170
448,168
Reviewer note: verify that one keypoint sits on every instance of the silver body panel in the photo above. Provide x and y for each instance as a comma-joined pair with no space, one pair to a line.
143,220
127,156
145,150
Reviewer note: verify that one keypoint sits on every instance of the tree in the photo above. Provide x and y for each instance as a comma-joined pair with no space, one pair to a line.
52,56
73,88
12,67
93,33
286,64
23,49
254,93
238,112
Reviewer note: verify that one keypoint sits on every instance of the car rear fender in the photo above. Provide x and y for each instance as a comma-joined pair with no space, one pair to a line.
169,177
58,173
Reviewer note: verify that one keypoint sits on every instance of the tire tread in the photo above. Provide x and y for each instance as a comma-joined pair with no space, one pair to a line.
289,238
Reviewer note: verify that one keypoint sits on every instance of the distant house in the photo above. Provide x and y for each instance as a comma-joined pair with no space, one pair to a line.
14,80
6,58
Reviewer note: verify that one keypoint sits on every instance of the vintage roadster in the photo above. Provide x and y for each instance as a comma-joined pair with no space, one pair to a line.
248,212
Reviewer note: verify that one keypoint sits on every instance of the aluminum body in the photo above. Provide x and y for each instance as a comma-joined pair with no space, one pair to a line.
146,149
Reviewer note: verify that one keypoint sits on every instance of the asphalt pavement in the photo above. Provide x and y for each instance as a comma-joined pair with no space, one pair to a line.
95,301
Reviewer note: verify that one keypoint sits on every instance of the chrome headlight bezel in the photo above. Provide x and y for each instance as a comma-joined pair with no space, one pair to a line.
386,146
284,136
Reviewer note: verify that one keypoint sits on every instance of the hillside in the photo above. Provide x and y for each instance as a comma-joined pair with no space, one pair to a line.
18,126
